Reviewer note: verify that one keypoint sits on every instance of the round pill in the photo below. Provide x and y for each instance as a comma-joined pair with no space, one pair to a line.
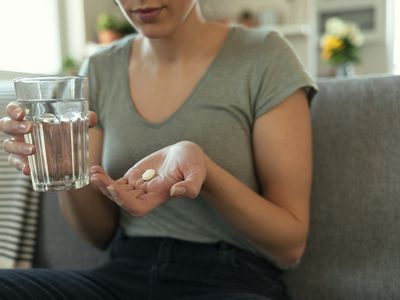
149,174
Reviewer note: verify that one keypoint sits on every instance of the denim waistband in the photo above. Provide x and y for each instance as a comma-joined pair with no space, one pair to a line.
165,249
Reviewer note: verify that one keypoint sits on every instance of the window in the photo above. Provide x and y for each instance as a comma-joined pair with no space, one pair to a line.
30,36
396,50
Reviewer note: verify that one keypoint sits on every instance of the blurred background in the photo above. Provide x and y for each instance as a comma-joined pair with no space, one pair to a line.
55,36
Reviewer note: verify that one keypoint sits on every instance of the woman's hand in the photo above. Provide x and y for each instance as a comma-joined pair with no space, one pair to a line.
180,172
15,126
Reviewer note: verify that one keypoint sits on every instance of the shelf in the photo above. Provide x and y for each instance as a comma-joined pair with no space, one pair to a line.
292,29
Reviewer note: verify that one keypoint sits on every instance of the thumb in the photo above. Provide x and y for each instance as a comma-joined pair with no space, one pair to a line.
187,188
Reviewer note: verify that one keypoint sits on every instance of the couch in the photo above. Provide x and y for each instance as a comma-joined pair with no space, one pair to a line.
353,250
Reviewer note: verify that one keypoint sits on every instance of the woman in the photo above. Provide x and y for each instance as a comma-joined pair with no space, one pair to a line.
221,114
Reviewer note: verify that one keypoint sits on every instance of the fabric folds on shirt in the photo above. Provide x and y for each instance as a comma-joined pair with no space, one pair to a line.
253,72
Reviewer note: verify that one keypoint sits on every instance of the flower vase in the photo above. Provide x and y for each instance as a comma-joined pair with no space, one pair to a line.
345,70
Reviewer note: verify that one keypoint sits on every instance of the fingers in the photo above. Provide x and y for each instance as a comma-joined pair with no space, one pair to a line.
107,185
146,203
100,179
125,196
155,183
15,111
18,153
14,124
103,180
20,163
139,184
20,148
92,118
123,180
97,169
136,201
187,188
135,178
190,187
13,127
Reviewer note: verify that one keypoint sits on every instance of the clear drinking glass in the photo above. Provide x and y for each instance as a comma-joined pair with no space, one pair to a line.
57,106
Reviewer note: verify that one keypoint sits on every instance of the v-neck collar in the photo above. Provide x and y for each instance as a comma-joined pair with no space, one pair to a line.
197,88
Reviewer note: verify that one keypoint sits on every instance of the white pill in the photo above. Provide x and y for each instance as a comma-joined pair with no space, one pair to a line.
149,174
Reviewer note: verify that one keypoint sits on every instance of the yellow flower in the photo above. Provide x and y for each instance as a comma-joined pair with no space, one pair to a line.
332,43
329,43
326,54
341,42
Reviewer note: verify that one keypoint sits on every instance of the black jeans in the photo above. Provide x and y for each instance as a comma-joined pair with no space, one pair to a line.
154,268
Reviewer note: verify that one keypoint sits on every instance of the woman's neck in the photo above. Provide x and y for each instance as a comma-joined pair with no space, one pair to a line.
186,43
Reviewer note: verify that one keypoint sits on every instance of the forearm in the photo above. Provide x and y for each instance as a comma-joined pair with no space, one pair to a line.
271,228
90,214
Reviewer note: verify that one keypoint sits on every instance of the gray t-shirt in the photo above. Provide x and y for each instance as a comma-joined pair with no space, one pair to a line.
253,72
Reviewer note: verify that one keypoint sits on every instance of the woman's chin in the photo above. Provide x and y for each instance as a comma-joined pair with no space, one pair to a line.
155,32
152,35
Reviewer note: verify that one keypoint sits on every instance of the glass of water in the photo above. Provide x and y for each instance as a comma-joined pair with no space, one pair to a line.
57,107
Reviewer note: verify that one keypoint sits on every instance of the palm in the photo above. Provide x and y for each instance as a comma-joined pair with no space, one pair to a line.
181,164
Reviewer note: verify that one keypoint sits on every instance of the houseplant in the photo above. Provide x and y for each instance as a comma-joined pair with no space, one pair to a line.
69,66
341,45
110,28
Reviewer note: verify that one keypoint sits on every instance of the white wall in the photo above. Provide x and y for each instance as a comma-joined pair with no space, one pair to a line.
8,75
29,36
72,24
396,40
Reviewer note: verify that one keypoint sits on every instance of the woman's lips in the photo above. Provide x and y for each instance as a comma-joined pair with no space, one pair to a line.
148,14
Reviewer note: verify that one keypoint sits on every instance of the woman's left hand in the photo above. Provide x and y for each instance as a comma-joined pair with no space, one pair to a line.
180,171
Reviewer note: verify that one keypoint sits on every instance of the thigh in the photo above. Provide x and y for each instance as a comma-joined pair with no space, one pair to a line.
52,284
223,272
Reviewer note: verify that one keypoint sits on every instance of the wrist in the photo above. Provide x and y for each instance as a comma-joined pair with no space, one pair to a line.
209,166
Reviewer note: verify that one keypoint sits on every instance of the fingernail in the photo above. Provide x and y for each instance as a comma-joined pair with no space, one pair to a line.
17,113
28,149
178,191
20,165
23,126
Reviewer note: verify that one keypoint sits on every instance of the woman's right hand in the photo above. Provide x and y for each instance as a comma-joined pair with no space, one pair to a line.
15,126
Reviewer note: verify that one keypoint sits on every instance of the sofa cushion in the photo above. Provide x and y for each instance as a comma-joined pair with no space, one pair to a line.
354,241
58,247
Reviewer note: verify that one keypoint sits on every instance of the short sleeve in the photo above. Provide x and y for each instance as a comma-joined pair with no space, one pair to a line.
280,73
87,70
